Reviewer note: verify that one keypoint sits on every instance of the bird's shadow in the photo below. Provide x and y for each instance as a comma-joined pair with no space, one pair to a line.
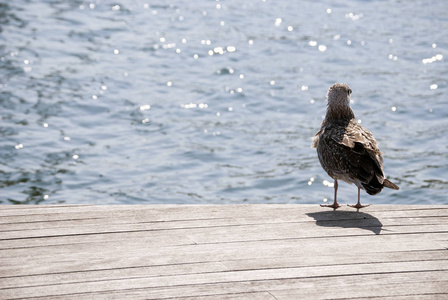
347,219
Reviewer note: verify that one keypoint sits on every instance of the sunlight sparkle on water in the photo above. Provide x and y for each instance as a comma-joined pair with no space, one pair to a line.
353,17
392,57
432,59
278,21
433,86
194,105
328,183
190,105
310,182
145,107
217,50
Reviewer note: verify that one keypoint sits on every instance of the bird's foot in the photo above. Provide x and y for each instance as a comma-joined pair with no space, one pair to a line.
334,206
358,205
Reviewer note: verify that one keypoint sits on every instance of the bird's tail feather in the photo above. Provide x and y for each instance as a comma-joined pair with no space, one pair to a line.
390,184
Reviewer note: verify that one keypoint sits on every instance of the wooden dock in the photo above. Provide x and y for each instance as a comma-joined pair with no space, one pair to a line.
223,252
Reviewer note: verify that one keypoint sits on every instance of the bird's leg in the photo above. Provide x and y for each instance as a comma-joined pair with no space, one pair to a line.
358,205
335,204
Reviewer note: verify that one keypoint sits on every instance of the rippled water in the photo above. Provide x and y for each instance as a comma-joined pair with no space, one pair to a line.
110,102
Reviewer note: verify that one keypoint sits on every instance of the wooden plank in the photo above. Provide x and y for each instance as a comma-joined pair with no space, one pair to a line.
67,277
330,260
136,214
126,223
222,233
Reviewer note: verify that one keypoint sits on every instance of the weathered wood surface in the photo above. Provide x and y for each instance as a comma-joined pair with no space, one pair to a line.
223,252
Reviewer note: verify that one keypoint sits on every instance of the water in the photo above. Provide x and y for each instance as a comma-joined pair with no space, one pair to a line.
143,102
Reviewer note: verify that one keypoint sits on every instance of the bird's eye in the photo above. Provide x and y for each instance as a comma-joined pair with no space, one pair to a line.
349,91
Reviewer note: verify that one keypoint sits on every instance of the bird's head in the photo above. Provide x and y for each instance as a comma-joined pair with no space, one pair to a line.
339,95
338,103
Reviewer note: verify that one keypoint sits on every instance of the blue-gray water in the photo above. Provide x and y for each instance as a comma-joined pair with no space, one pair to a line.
134,102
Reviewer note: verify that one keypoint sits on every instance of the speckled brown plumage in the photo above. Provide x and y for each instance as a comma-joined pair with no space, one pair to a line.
346,150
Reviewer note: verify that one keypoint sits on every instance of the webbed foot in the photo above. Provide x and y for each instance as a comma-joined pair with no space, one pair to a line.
358,205
333,206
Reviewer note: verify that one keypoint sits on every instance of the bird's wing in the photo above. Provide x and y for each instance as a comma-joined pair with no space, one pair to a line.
356,134
363,153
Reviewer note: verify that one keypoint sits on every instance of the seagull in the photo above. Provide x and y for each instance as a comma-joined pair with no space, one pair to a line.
347,151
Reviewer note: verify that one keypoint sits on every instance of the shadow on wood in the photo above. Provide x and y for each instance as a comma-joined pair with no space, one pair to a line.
347,219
